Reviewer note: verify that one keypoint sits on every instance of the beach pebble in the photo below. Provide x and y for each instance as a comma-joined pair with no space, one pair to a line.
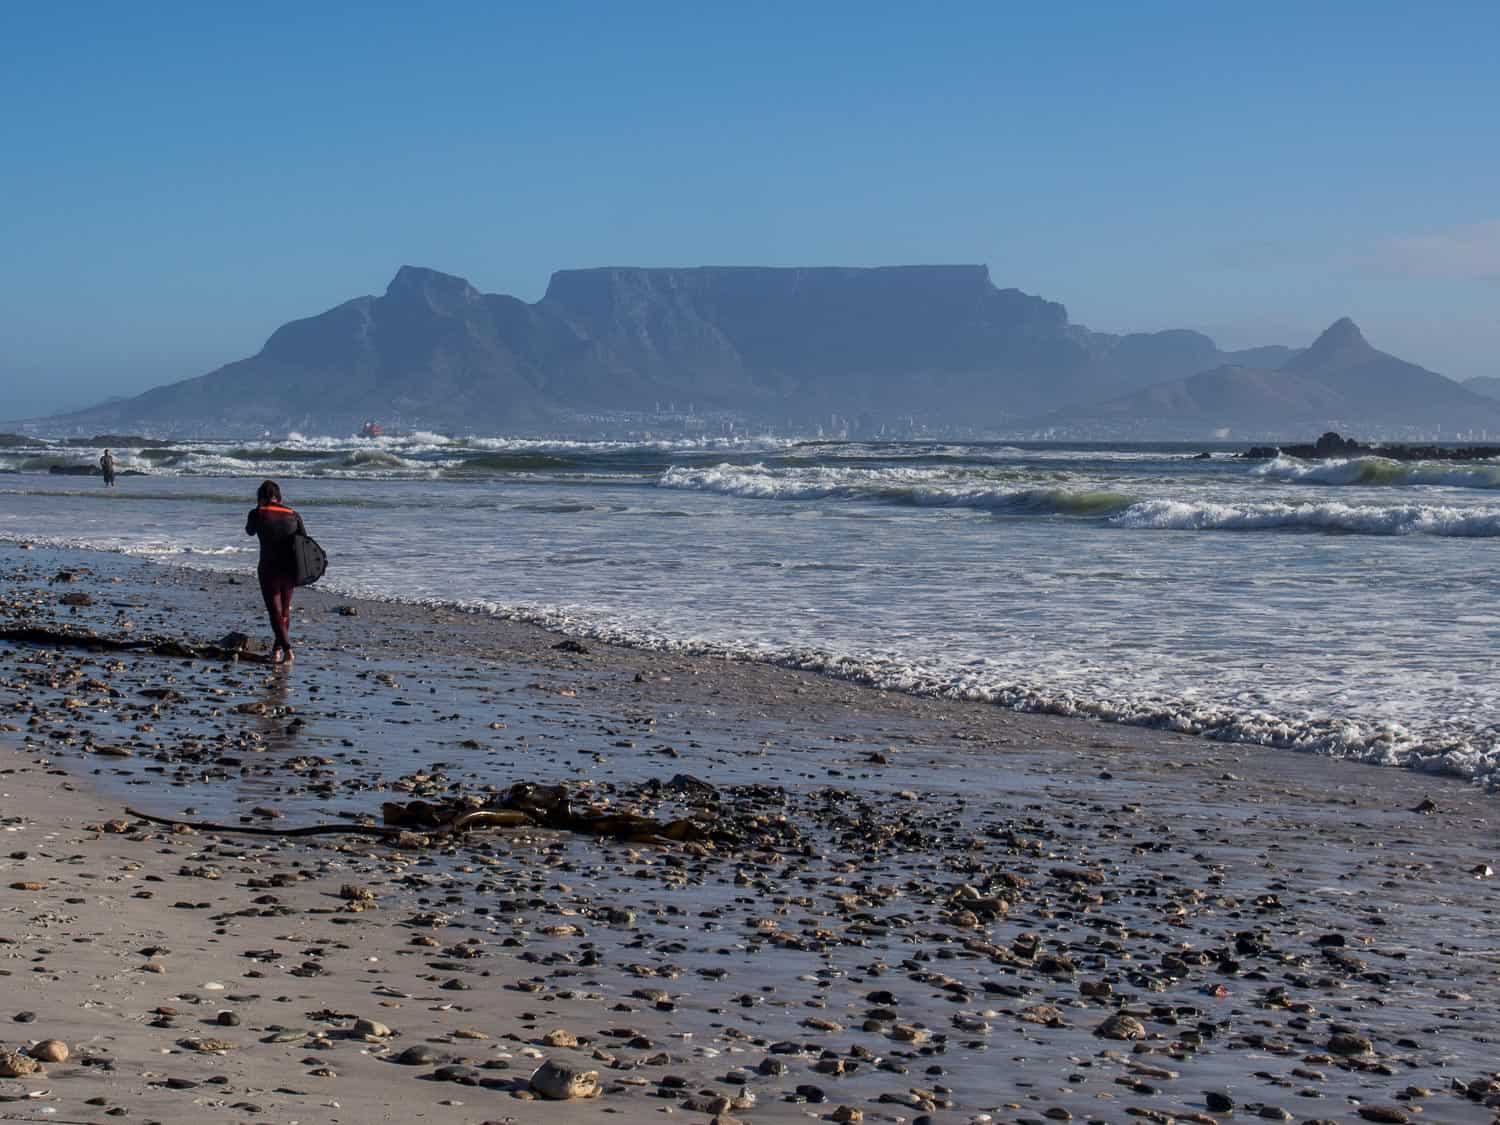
560,1082
1121,1026
560,1038
1347,1044
13,1064
418,1055
207,1046
372,1029
49,1050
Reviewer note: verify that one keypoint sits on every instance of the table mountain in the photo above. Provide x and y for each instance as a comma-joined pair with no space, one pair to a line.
1487,385
938,343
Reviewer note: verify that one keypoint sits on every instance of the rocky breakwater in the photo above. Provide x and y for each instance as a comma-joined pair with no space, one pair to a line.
1332,445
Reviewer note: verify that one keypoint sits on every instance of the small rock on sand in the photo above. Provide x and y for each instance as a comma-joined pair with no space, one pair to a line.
1121,1026
560,1082
49,1050
13,1064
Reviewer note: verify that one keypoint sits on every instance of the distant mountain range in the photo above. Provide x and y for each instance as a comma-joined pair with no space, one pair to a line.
1487,385
1339,382
902,347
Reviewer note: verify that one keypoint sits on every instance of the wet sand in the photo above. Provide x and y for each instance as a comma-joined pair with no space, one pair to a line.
933,910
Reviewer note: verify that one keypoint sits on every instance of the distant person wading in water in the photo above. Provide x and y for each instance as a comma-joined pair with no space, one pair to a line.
276,525
107,467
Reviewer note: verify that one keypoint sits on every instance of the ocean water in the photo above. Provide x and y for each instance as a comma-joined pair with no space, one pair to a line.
1349,608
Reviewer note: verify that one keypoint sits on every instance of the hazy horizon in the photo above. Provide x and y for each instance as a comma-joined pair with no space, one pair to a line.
183,182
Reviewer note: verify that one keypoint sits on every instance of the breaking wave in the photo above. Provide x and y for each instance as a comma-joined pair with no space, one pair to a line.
1381,471
892,486
951,489
508,463
1350,519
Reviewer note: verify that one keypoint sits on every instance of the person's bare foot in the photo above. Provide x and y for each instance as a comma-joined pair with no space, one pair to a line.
289,656
277,656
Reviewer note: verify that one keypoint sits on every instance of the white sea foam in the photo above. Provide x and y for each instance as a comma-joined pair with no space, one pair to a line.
1355,519
914,487
1381,471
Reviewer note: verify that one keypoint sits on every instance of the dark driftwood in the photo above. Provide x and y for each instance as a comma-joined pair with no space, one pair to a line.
62,638
254,830
399,825
476,818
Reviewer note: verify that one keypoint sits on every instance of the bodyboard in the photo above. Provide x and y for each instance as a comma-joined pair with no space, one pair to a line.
309,559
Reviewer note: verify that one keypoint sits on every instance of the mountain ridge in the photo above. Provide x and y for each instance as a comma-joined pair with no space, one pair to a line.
918,345
1340,381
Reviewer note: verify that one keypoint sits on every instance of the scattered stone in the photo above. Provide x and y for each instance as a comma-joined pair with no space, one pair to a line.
371,1029
49,1051
1121,1026
1348,1044
207,1046
13,1064
560,1082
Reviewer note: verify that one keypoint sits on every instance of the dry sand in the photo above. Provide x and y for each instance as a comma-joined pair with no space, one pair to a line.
934,910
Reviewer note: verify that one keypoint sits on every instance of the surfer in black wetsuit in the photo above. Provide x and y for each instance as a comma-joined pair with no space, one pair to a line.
276,524
107,467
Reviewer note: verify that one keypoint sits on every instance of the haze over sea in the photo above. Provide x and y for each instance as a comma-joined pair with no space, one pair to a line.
1342,607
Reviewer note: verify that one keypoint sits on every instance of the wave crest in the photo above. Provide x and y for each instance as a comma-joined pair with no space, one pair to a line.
1351,519
914,488
1381,472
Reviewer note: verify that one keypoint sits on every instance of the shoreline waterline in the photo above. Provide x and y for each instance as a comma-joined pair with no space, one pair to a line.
1379,745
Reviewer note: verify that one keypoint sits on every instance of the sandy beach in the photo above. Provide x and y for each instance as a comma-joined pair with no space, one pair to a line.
894,908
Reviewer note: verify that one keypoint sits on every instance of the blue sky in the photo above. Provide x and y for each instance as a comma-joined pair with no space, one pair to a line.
176,181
